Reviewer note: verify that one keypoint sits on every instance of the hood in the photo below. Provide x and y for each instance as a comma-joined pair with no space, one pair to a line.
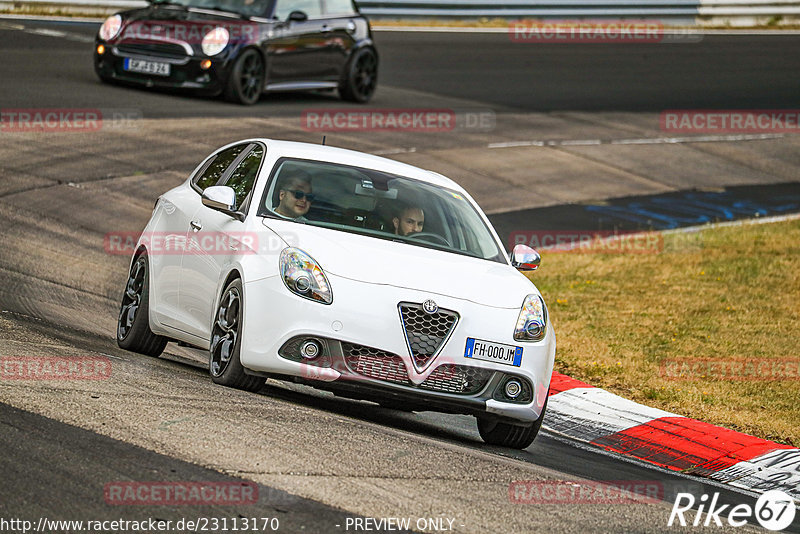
382,262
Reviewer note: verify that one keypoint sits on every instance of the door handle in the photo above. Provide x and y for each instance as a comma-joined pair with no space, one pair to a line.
196,226
325,28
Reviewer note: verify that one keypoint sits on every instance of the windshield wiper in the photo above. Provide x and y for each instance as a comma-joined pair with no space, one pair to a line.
222,10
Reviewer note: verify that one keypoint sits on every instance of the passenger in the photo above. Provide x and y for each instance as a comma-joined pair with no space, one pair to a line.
294,197
409,220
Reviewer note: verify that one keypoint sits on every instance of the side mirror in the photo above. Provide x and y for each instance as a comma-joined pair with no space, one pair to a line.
524,258
221,198
297,16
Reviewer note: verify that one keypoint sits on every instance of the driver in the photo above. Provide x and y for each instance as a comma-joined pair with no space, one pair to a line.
409,220
294,198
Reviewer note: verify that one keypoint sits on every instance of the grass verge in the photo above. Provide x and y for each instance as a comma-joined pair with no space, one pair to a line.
650,326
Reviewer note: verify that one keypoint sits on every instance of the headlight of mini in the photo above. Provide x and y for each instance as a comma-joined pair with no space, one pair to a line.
111,27
304,277
532,322
215,41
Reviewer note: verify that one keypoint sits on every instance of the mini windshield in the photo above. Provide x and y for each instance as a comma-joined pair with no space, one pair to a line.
377,204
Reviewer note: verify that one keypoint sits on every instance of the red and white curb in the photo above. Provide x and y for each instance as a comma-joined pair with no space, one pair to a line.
601,419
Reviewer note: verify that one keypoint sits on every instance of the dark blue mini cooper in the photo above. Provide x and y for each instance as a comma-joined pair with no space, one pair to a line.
241,48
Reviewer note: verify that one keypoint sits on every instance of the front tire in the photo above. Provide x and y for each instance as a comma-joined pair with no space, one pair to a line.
246,79
133,324
360,77
226,342
495,432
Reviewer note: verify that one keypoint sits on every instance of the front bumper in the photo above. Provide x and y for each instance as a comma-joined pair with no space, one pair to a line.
365,315
185,71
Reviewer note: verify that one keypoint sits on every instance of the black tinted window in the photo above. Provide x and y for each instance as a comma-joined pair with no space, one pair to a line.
244,175
339,7
217,168
312,8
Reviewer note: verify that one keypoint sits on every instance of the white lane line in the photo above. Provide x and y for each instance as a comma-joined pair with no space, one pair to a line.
391,151
639,141
580,142
514,144
696,139
46,32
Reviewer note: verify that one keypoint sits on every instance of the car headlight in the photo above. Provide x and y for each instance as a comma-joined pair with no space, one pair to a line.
304,277
215,41
111,27
532,321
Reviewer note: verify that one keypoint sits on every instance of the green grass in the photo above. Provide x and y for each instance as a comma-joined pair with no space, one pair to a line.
727,294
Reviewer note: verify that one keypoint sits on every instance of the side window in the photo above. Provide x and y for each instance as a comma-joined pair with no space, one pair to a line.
244,175
217,167
339,7
312,8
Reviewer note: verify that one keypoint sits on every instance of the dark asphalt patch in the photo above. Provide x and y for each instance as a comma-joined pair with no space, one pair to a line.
664,211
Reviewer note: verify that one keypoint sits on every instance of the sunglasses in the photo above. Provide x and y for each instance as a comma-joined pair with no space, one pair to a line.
300,195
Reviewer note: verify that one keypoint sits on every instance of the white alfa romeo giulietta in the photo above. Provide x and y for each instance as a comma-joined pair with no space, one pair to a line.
348,272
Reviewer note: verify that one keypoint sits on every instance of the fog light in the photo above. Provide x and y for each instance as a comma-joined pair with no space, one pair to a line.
310,349
205,64
513,388
101,49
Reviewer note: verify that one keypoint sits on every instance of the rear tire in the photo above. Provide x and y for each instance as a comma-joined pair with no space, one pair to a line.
360,77
133,324
495,432
226,342
246,80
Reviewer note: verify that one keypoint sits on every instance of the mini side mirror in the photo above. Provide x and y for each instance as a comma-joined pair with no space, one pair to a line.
524,258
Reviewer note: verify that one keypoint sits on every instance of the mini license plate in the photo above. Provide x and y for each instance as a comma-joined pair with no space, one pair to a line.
146,67
489,351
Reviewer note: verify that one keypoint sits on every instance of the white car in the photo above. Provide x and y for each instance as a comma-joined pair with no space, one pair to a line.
348,272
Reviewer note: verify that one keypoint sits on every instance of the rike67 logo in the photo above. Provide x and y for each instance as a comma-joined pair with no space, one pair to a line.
774,510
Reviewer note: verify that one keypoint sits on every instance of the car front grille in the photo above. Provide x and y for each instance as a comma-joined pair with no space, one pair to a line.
167,50
388,367
460,379
426,332
375,363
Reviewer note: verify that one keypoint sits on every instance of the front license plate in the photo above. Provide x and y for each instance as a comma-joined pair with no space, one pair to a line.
147,67
479,349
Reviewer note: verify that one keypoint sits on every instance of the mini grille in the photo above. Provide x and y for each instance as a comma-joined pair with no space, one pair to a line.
426,332
460,379
375,363
153,49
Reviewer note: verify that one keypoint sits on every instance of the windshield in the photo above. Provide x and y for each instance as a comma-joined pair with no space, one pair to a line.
248,8
377,204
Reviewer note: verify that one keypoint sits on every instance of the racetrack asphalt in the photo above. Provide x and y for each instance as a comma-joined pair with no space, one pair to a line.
61,193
